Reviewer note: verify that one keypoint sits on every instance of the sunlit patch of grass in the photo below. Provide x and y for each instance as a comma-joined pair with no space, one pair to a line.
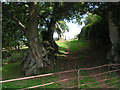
76,46
73,46
62,46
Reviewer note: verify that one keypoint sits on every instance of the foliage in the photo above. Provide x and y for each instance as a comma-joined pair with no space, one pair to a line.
95,30
92,19
12,35
48,13
63,26
57,12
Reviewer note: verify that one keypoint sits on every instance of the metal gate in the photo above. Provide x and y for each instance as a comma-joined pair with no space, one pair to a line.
109,75
94,81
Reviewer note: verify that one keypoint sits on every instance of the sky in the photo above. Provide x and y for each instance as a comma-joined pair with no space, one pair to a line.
74,29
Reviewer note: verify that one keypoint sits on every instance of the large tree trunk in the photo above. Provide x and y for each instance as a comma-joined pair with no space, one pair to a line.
114,54
51,27
37,57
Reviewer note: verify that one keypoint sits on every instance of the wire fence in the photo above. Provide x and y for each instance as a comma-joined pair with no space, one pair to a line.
83,78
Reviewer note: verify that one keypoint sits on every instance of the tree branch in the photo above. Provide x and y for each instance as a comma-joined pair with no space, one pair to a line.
59,29
19,24
44,19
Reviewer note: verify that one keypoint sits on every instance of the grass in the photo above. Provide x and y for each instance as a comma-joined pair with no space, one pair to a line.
30,82
86,80
76,46
14,69
113,81
62,46
73,46
14,55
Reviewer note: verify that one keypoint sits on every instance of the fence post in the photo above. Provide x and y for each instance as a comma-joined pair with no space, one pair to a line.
43,82
78,78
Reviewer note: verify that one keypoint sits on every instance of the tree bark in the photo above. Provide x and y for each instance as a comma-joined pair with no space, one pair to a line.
50,33
37,56
114,54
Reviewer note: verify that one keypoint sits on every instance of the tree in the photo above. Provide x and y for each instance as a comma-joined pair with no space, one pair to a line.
10,40
28,23
52,13
114,32
95,30
111,15
58,12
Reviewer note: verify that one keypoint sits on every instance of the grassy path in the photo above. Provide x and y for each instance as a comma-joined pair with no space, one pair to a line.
76,55
66,65
81,55
71,61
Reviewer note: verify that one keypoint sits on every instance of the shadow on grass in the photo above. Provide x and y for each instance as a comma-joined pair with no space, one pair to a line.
14,70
